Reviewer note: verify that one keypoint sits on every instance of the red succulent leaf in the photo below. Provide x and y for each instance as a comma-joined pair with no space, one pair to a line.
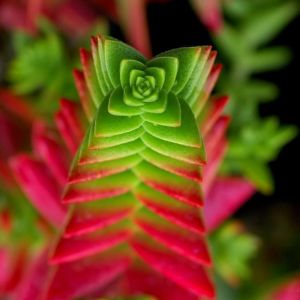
17,106
16,118
51,151
77,279
35,274
40,187
175,267
226,195
288,291
5,266
216,146
84,96
69,122
74,17
145,280
213,115
34,10
133,17
5,220
15,122
107,7
6,177
10,133
12,15
12,269
209,11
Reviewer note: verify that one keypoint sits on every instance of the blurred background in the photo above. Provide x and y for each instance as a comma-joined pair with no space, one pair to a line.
256,247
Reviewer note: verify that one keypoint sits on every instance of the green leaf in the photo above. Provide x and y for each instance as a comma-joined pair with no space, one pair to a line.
231,43
117,106
187,60
127,65
171,117
261,140
107,125
283,136
42,69
233,248
24,218
257,90
259,174
170,66
186,134
254,141
267,59
238,8
29,70
115,52
264,24
225,291
253,147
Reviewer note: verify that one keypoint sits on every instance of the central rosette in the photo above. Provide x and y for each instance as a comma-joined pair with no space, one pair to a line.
146,89
142,87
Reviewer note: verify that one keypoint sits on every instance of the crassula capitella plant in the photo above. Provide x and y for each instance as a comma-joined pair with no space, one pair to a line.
130,215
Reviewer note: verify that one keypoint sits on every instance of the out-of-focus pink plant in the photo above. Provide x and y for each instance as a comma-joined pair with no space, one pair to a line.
290,290
16,117
18,257
75,17
210,13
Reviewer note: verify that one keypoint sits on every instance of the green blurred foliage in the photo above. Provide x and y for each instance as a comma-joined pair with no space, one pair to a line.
242,45
233,248
42,65
253,146
24,221
42,68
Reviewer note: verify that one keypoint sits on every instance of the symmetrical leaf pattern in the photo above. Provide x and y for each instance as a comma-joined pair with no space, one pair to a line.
134,188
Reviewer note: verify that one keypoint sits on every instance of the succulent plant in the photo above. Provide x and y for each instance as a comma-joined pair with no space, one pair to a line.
134,187
134,191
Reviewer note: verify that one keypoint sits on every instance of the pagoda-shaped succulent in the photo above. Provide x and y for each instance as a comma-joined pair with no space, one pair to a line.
134,187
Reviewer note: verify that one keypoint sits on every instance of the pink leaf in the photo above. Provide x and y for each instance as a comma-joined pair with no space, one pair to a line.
34,277
290,290
16,105
77,279
177,268
70,124
209,11
143,280
40,187
216,146
224,198
134,22
51,152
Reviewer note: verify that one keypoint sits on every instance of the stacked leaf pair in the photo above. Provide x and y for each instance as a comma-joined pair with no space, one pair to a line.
134,187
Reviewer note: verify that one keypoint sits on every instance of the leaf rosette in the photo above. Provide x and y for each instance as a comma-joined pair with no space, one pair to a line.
145,89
